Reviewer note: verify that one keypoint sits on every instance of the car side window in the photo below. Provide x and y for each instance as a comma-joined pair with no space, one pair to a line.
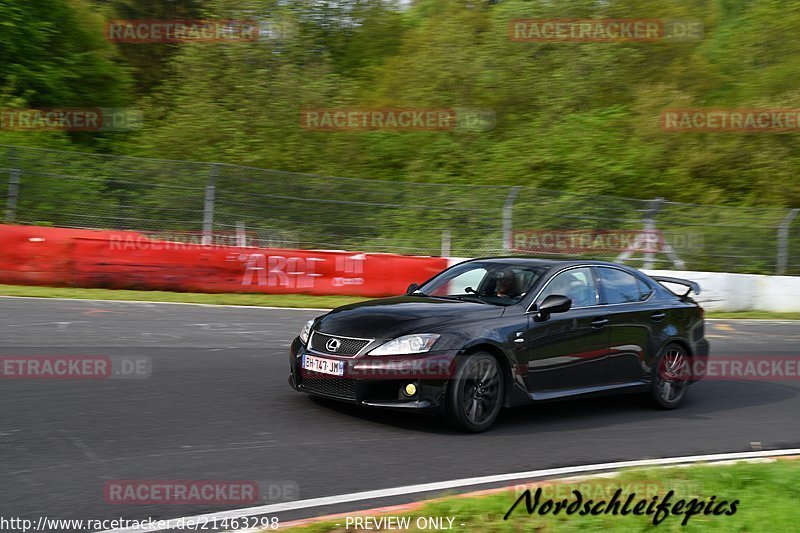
619,287
644,290
577,284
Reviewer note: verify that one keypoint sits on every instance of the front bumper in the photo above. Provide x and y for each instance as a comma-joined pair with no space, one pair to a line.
378,381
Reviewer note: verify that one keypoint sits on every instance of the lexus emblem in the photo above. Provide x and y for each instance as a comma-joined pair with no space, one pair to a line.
333,345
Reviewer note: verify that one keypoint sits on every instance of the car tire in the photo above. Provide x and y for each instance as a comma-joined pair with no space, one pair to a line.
475,393
669,377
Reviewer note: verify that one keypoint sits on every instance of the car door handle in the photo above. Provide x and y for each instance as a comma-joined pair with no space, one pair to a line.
598,323
658,316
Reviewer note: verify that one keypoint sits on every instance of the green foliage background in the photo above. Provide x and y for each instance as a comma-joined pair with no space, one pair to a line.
570,116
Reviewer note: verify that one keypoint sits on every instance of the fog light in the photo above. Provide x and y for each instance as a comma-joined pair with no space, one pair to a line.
410,389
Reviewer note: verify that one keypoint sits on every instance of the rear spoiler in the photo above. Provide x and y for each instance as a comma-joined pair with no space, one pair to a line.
693,287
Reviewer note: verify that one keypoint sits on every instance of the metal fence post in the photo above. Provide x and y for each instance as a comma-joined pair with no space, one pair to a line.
446,238
783,242
650,228
208,208
241,234
14,175
507,218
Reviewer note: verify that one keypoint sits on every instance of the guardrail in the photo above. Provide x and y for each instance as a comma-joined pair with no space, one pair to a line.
724,291
31,255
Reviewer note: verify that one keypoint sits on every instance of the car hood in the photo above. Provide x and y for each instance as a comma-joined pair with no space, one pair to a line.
387,318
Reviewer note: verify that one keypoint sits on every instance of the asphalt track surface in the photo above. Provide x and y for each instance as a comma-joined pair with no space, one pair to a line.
217,407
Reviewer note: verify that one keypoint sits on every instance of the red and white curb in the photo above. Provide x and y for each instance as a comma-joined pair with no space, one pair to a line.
269,509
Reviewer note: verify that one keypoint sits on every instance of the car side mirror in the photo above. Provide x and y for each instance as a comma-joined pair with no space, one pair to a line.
555,303
411,288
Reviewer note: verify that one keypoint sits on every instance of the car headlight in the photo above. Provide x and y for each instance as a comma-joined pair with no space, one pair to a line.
306,331
407,344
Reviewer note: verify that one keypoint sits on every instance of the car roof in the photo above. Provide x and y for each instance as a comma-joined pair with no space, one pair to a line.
542,263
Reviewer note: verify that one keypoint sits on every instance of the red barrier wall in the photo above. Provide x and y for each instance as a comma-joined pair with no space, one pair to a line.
33,255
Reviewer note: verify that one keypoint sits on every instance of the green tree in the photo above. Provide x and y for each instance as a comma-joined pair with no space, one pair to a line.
53,54
149,60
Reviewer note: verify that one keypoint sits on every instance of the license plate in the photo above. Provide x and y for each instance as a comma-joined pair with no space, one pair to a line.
323,366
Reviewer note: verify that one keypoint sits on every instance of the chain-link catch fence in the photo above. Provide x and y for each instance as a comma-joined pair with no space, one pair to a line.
212,203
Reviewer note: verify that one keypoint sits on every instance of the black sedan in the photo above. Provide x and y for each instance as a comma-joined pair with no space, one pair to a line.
508,331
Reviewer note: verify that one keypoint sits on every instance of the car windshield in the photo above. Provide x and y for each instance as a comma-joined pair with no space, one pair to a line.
490,283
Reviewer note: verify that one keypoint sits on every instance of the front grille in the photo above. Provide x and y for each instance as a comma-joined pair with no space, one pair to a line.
344,389
348,346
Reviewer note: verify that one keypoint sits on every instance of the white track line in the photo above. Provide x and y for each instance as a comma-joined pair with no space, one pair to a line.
452,484
147,302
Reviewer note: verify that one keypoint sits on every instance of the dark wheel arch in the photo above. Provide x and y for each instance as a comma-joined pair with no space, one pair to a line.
502,360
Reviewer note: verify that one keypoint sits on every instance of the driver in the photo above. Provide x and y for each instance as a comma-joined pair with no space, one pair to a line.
505,286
